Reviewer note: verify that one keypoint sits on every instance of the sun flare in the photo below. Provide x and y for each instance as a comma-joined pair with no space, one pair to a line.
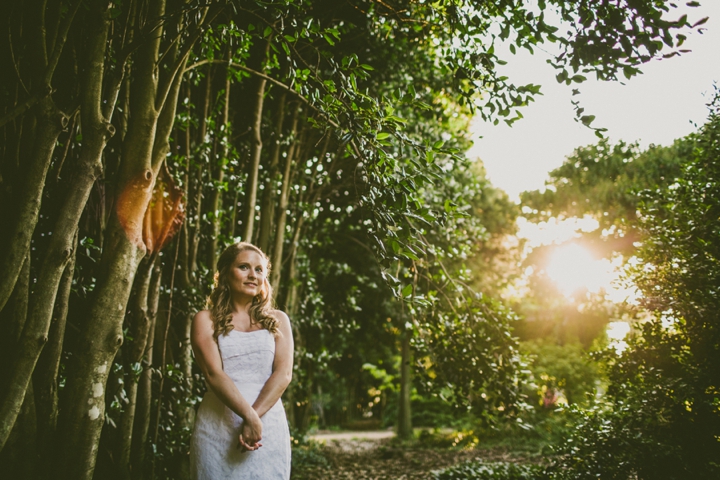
573,267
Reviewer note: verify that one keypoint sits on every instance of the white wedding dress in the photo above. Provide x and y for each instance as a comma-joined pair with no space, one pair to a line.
247,358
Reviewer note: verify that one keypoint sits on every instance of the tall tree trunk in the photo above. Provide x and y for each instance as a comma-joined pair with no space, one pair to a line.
195,233
219,171
277,252
20,443
45,378
141,424
266,207
405,430
29,196
255,154
139,323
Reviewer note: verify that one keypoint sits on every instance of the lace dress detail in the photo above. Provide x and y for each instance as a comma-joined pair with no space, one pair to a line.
247,358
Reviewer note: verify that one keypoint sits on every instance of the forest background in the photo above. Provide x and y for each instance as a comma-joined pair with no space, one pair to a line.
141,137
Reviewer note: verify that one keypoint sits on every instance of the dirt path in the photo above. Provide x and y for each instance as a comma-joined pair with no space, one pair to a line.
371,435
374,456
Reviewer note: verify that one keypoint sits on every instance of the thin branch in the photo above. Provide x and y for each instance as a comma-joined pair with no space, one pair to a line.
26,105
60,43
179,68
14,62
74,116
269,79
441,290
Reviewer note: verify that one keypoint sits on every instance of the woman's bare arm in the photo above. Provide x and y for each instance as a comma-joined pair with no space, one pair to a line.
282,367
208,357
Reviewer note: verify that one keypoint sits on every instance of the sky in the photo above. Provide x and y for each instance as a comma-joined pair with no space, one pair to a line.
664,103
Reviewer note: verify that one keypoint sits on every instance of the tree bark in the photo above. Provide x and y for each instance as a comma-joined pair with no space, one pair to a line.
45,378
139,323
405,430
255,154
277,252
141,424
20,442
268,198
219,172
29,197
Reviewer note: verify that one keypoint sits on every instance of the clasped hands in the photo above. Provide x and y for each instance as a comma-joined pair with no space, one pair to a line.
250,433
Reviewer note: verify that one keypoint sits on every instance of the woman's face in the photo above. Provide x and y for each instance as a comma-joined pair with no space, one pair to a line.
248,273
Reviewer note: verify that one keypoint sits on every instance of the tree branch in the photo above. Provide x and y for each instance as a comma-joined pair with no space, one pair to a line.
60,43
26,105
269,79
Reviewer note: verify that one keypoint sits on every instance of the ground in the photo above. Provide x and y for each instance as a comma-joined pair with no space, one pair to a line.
379,456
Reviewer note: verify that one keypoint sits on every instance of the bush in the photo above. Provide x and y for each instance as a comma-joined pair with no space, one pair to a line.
491,471
306,455
662,416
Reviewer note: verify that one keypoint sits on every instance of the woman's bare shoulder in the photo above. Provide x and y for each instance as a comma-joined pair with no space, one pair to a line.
283,321
280,316
203,320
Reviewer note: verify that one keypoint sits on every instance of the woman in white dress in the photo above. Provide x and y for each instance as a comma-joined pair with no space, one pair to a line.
245,350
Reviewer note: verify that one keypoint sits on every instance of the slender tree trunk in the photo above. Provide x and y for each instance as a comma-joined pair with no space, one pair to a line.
405,430
45,378
268,199
219,172
233,215
13,456
139,323
277,253
255,154
141,424
194,232
184,253
29,196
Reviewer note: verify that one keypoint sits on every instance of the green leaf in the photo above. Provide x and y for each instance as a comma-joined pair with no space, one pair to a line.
407,290
382,135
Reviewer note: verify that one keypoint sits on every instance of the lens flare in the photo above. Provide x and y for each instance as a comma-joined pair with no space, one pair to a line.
573,268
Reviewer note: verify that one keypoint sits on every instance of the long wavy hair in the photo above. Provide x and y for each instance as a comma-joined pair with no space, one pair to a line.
219,302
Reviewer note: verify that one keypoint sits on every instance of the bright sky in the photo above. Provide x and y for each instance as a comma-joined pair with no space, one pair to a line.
654,108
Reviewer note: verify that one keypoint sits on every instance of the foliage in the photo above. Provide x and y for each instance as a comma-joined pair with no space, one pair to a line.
564,369
662,418
479,470
606,181
306,453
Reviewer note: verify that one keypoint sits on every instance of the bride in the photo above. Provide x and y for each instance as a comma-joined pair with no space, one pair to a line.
245,350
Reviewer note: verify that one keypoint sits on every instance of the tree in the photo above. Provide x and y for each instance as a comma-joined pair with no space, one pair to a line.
661,420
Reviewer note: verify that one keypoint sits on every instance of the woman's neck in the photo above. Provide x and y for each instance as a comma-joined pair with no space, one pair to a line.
241,303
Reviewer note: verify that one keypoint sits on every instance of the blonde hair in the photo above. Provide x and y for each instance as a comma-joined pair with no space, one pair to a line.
219,302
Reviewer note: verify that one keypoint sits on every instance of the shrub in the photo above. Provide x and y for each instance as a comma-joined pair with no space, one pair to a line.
479,470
